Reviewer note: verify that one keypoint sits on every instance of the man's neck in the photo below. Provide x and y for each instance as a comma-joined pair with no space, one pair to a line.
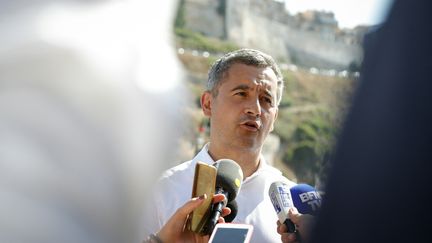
247,159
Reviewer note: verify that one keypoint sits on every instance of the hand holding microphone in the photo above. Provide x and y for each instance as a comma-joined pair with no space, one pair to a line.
281,199
305,203
228,182
174,229
303,222
225,177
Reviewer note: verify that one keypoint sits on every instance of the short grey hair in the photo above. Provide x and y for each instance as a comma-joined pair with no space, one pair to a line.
244,56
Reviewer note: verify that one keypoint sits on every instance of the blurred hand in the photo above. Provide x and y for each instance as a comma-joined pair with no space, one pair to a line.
175,231
303,224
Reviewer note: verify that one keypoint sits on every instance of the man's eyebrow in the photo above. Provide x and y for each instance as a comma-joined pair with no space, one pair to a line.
246,87
241,86
268,93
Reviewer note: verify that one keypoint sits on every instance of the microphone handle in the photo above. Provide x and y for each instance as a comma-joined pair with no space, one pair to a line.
290,225
216,212
292,229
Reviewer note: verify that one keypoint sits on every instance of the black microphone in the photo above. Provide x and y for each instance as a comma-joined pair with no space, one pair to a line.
234,209
228,182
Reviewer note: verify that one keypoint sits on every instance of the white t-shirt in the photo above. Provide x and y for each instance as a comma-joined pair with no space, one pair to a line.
174,188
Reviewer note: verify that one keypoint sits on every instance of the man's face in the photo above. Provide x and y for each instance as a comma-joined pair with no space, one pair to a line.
245,108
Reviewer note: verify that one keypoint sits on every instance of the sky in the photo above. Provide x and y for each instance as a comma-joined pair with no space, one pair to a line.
348,13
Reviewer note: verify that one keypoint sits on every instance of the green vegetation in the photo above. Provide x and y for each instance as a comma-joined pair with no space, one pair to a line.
193,40
307,143
308,126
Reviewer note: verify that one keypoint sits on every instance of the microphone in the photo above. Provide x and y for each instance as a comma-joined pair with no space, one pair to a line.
228,182
306,199
280,196
234,209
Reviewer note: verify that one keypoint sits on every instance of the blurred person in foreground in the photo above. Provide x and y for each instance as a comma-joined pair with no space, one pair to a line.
244,89
86,114
379,186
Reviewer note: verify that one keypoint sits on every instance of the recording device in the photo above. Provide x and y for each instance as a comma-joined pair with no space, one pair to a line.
306,199
233,233
228,182
204,183
234,209
280,196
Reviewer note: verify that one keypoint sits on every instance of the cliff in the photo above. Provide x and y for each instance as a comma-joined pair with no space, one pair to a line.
310,39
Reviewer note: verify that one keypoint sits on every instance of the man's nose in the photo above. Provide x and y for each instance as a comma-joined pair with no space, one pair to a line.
253,107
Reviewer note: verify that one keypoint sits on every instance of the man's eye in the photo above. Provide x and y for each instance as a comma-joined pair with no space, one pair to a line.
242,93
268,100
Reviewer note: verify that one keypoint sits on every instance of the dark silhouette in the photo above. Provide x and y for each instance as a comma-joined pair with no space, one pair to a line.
380,182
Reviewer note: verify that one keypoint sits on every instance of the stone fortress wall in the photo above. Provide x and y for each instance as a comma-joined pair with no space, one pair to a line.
311,39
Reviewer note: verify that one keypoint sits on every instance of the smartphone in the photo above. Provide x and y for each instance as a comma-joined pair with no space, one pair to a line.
204,183
231,232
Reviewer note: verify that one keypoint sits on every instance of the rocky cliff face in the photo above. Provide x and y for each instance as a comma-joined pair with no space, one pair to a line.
205,16
311,39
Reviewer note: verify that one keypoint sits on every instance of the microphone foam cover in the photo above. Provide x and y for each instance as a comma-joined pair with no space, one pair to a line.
229,177
306,199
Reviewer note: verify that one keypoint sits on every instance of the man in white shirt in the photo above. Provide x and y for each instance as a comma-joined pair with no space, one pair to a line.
243,92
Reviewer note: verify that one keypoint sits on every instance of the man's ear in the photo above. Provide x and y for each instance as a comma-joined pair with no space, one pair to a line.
206,99
275,117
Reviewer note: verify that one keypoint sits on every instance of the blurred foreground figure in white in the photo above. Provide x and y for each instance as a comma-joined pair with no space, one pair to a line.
89,108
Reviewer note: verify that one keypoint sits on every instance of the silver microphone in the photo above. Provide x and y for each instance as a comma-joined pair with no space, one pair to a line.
281,199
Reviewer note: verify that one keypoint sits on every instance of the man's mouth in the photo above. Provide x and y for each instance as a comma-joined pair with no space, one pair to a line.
251,125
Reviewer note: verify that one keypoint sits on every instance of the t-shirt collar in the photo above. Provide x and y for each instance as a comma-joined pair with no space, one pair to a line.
205,157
